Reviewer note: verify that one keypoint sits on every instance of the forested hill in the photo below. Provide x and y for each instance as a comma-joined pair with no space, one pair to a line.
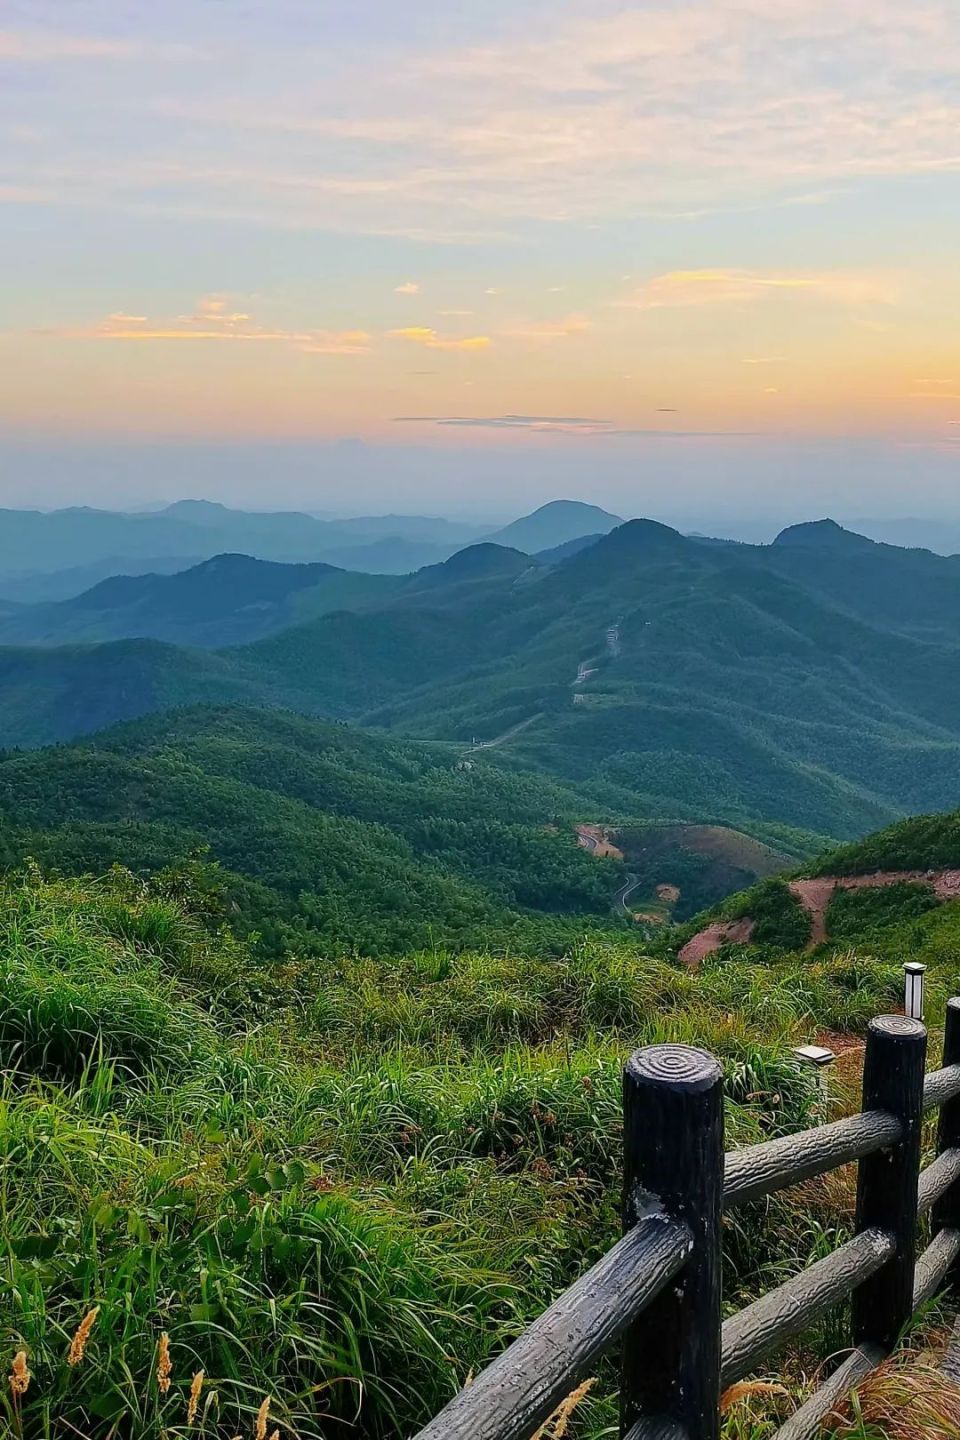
227,600
330,840
898,889
670,678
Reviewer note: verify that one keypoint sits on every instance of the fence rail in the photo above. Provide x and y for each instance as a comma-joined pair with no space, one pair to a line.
657,1291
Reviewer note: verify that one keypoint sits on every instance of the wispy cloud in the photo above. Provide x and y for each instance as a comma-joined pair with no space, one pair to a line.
546,330
678,288
560,425
214,320
565,118
428,337
409,287
568,424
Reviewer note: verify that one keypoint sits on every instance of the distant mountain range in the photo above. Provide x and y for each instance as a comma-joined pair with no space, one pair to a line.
47,557
813,682
229,600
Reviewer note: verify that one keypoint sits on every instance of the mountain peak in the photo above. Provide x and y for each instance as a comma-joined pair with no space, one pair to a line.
554,524
823,533
475,562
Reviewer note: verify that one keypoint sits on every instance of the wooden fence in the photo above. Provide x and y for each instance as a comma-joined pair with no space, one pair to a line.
656,1293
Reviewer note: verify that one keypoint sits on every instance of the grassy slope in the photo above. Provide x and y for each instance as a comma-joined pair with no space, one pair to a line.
340,1184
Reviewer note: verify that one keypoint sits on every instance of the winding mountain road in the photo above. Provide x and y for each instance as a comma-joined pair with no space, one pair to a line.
624,893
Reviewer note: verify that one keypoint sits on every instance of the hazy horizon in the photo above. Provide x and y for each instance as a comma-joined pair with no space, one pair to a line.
750,491
509,249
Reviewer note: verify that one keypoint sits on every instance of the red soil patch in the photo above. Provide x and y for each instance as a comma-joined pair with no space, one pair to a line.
670,894
729,932
815,896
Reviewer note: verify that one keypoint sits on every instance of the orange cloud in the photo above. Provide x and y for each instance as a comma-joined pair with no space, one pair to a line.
424,335
549,329
212,321
679,288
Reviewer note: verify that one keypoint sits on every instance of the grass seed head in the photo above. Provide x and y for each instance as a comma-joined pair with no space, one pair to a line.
260,1428
555,1427
19,1374
78,1345
164,1364
196,1385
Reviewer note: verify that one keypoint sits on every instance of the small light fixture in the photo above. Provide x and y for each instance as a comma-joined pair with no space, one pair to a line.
820,1058
817,1055
913,973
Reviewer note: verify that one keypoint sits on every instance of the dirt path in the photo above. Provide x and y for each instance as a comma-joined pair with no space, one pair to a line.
815,896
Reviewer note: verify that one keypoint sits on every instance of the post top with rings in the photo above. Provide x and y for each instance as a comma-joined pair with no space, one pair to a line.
680,1067
897,1026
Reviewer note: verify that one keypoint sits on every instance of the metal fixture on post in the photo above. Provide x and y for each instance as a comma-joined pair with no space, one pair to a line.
913,973
821,1059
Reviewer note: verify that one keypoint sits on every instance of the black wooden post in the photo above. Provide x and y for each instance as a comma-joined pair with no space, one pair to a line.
893,1074
673,1159
946,1212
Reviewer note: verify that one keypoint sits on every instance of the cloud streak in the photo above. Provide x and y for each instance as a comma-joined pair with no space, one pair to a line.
426,336
683,288
560,425
213,321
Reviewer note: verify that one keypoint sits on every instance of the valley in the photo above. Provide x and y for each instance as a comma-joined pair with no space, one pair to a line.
332,903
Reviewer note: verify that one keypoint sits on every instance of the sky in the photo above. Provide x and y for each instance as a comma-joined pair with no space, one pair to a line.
671,257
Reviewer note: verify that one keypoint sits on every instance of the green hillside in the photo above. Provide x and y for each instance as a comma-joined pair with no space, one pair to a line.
227,600
667,678
899,889
343,1183
329,839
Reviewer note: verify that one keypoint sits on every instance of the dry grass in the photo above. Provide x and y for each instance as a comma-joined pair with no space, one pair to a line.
908,1398
555,1426
747,1390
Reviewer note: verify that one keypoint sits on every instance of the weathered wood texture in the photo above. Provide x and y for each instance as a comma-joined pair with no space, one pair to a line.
673,1155
761,1169
806,1421
936,1180
764,1326
655,1427
893,1074
942,1085
934,1265
946,1211
524,1385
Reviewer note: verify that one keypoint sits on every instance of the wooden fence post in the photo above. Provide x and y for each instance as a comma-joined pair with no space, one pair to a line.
946,1212
893,1074
673,1159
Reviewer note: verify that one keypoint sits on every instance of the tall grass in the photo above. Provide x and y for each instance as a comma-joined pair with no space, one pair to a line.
341,1184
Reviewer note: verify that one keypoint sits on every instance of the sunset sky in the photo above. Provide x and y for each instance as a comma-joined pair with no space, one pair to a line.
487,229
